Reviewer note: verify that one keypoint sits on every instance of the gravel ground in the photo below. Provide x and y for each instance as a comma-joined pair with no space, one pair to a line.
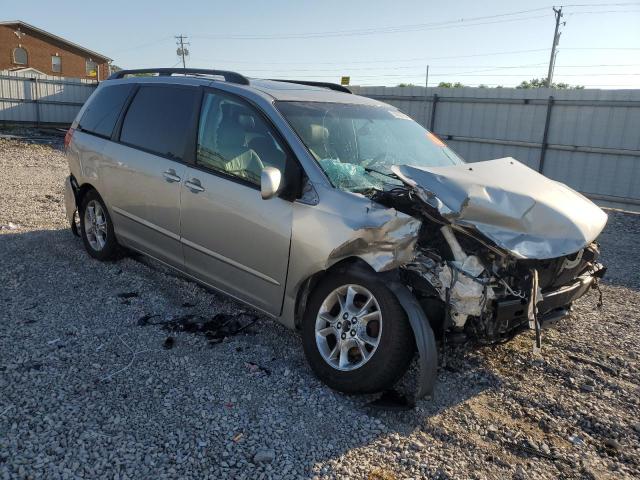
86,391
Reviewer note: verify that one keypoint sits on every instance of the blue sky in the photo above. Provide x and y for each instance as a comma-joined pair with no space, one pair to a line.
460,40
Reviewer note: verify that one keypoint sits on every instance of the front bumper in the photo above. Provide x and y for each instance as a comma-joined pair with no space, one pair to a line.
511,313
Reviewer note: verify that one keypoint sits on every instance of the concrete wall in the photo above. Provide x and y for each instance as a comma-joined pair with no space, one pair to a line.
592,140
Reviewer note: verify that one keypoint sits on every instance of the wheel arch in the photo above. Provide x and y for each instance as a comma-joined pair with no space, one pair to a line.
82,191
73,196
424,337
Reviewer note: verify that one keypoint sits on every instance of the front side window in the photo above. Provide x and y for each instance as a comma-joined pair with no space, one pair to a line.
356,145
91,68
234,139
158,120
56,64
20,56
103,109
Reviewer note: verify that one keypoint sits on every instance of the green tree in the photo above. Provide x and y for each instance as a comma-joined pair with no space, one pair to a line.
451,85
542,83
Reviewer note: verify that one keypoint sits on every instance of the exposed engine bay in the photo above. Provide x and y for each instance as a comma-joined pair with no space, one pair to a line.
469,284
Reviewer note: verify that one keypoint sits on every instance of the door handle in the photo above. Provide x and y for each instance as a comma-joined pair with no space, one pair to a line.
170,175
194,185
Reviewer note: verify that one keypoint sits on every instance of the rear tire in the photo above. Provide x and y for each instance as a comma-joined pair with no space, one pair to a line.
96,227
377,354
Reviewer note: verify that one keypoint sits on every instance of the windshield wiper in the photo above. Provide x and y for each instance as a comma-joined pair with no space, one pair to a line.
373,170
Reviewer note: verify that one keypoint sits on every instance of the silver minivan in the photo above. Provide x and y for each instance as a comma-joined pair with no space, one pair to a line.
336,214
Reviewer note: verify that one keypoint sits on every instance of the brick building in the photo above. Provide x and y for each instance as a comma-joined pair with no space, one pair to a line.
25,46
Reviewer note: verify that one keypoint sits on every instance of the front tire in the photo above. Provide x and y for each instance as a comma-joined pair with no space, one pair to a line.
96,227
355,334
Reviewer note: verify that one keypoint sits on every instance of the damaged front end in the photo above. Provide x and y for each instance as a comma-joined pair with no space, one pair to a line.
492,297
495,255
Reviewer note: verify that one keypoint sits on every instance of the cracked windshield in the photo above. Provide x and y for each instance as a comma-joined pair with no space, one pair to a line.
356,145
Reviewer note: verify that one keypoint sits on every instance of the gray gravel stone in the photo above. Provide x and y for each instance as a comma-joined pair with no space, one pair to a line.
264,456
87,392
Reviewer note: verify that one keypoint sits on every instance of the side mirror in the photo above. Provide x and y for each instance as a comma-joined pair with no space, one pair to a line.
269,182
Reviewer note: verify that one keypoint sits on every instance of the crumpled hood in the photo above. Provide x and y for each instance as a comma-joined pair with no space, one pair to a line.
517,208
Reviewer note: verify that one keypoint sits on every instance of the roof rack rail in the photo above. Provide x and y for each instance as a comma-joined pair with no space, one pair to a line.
228,76
330,86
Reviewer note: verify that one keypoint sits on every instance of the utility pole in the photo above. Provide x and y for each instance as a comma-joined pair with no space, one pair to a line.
182,51
426,80
556,40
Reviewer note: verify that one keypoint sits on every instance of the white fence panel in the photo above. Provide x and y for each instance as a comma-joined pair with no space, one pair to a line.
32,98
588,139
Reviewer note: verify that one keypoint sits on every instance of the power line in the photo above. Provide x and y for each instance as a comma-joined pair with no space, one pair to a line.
420,75
601,48
602,11
339,69
462,22
490,68
380,30
473,73
424,59
600,65
408,28
356,62
624,4
505,86
615,74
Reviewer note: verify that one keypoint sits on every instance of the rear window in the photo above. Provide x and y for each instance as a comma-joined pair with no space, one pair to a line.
103,110
158,120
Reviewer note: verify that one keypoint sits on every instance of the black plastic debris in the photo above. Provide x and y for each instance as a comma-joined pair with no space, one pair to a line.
188,305
169,343
254,368
127,295
391,400
144,320
215,329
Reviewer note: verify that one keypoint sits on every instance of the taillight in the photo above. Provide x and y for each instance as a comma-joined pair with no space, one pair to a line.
67,137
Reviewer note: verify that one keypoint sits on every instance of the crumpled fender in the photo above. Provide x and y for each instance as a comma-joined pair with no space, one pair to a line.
423,333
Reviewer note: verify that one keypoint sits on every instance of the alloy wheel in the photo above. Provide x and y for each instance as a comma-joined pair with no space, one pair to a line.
95,225
348,327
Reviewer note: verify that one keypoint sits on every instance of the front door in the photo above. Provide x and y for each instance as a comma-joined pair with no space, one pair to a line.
233,239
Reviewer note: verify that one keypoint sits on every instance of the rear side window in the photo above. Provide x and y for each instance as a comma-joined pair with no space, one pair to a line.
159,120
103,110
